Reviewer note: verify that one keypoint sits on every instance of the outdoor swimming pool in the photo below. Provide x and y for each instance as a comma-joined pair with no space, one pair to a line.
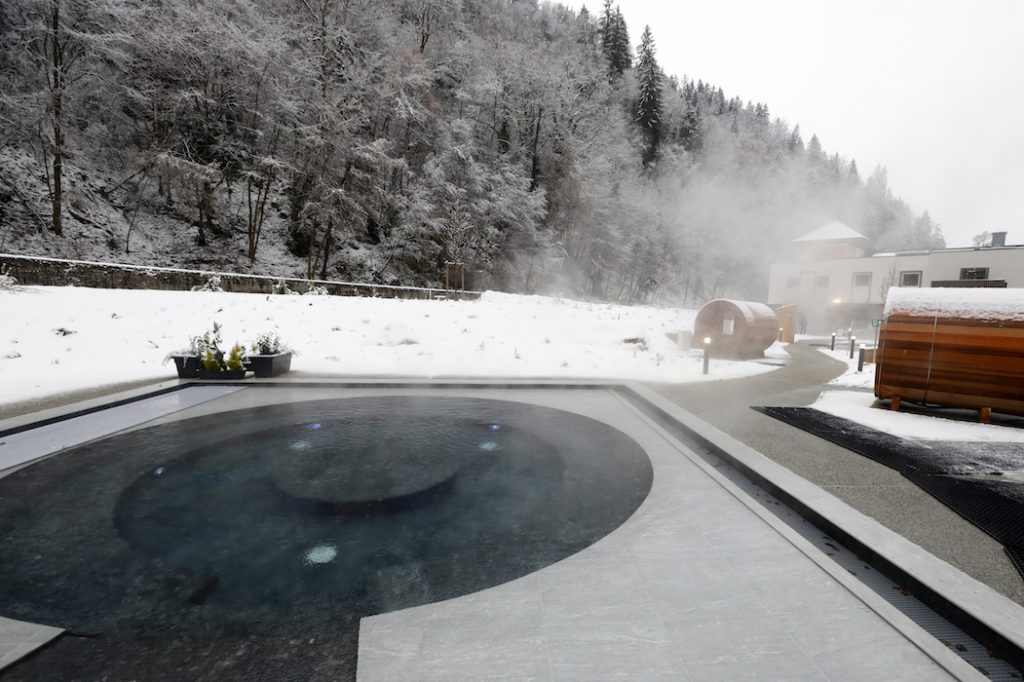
304,514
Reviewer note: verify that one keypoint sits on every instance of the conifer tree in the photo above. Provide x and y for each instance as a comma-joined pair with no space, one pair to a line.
614,40
853,175
648,108
621,51
796,142
814,150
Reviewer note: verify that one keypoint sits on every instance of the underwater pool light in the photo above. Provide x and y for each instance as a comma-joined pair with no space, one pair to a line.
159,471
321,554
315,426
494,427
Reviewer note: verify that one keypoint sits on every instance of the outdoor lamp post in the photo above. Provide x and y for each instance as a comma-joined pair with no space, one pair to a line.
853,342
833,341
707,353
860,359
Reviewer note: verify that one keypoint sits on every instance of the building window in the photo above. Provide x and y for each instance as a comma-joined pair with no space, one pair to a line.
822,282
793,282
861,279
910,278
973,273
728,325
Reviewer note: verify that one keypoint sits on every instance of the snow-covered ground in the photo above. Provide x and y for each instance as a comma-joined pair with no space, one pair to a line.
59,339
856,406
851,378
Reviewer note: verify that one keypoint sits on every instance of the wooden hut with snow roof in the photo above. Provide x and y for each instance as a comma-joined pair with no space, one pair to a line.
956,347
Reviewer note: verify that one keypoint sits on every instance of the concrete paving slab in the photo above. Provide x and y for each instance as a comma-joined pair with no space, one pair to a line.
18,448
18,639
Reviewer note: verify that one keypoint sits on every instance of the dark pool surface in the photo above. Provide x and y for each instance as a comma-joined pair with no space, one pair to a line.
234,542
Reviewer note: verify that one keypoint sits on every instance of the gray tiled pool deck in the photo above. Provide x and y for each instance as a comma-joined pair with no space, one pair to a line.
700,583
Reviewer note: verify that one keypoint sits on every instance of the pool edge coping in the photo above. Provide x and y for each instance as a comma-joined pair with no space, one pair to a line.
991,618
918,636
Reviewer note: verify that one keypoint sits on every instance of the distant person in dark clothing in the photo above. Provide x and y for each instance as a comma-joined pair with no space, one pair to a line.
803,324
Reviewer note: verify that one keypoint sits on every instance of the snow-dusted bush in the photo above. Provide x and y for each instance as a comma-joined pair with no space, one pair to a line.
268,343
315,290
7,281
202,345
281,287
214,359
212,283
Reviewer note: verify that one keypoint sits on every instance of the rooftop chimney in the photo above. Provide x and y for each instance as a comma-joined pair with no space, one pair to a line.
998,239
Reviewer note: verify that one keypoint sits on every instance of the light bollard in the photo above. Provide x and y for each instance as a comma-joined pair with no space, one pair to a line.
780,334
707,353
833,341
853,342
860,359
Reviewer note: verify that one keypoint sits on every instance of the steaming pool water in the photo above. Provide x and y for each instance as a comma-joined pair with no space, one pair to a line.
302,516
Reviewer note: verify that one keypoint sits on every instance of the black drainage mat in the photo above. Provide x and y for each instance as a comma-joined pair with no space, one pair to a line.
997,507
852,436
939,468
1016,555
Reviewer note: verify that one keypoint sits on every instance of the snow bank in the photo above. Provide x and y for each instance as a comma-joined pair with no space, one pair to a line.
999,305
851,378
856,406
59,339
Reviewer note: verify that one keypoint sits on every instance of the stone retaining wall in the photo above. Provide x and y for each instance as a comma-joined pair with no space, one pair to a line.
58,272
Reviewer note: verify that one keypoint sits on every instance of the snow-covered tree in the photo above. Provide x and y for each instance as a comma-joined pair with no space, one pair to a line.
648,107
615,40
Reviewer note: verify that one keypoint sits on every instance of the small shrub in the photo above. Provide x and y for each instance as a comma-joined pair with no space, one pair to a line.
639,341
7,281
281,287
236,359
212,283
199,346
316,290
211,363
268,343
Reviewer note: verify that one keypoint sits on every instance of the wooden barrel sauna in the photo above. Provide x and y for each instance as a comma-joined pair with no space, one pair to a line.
737,329
956,347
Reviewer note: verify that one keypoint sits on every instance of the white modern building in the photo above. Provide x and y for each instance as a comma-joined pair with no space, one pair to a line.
837,287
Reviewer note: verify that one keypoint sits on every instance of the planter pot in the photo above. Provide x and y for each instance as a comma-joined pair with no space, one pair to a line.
187,366
226,374
270,365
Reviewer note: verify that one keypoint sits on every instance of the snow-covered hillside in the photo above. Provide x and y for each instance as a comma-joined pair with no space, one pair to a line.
59,339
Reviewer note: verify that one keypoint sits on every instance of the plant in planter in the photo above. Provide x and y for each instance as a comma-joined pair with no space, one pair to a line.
269,356
216,366
189,361
204,359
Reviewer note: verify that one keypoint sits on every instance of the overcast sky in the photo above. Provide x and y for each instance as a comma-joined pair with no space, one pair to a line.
931,89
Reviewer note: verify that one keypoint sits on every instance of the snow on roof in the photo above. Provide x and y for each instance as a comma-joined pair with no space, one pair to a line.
834,231
1001,305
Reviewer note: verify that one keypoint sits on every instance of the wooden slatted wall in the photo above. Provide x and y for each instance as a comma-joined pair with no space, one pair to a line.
951,361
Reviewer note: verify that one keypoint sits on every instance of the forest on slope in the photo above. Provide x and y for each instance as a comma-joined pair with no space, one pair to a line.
370,141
